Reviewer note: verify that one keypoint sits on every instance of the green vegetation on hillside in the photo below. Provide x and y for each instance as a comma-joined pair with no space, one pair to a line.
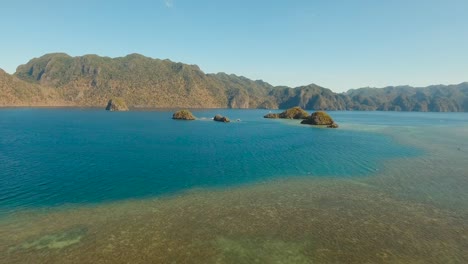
142,82
16,92
90,80
436,98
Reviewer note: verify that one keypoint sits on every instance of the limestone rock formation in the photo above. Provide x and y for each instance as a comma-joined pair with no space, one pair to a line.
116,104
183,115
291,113
271,115
320,118
221,118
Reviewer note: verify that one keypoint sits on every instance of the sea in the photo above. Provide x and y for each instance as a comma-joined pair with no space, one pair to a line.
92,186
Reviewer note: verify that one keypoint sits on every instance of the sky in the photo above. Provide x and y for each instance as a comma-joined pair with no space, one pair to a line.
337,44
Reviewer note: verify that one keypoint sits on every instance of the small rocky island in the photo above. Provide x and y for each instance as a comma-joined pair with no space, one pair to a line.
291,113
221,118
320,118
183,115
116,104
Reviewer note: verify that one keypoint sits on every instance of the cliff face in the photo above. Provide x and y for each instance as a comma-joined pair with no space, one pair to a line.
90,80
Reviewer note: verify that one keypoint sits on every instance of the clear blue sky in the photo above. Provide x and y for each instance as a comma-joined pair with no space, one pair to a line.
339,44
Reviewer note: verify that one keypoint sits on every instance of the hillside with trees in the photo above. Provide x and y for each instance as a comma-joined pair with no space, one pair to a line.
58,79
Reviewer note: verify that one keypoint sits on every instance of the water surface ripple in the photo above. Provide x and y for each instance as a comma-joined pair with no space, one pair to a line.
53,157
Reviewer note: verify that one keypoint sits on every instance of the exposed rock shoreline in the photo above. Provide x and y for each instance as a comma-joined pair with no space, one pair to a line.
116,104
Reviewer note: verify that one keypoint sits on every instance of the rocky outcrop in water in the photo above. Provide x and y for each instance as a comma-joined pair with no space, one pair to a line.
220,118
116,104
320,118
183,115
271,115
291,113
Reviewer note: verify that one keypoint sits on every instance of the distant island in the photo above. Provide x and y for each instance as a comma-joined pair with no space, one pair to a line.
91,81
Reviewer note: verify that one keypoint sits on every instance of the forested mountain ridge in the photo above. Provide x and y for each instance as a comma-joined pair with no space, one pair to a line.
143,82
436,98
16,92
58,79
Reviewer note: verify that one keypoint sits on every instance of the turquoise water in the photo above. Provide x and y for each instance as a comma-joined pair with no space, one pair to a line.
89,186
53,157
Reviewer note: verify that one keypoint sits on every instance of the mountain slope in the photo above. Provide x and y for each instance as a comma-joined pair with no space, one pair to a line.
309,97
436,98
15,92
145,82
242,92
90,80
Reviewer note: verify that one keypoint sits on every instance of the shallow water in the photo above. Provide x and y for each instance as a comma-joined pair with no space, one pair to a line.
391,190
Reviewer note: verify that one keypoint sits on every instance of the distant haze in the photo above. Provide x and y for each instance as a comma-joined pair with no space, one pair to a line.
338,45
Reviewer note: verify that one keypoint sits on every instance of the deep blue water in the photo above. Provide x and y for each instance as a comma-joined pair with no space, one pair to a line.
53,157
